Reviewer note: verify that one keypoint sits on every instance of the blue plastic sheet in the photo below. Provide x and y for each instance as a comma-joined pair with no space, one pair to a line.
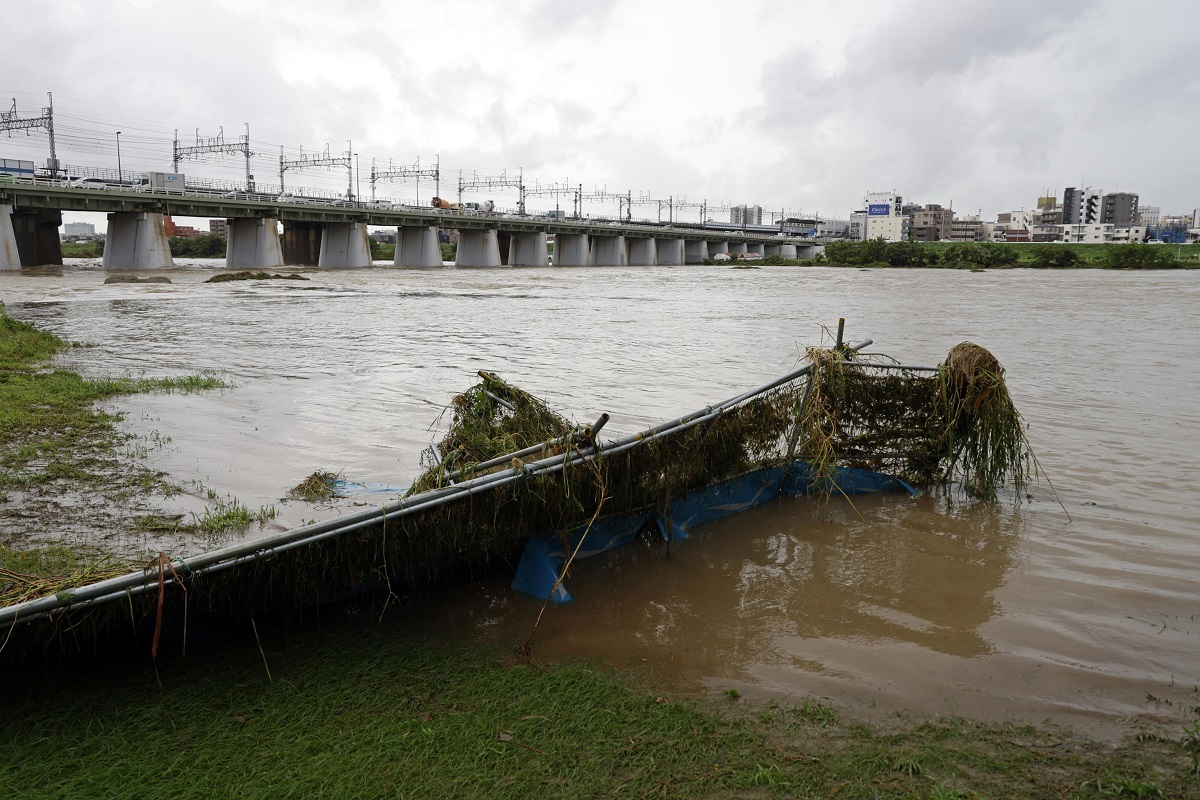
544,555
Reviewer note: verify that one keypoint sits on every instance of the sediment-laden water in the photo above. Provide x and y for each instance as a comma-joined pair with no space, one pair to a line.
930,604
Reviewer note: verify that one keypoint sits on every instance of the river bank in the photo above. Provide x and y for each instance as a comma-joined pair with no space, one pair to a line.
363,706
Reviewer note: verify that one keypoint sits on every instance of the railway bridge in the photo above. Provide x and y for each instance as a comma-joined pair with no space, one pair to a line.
333,234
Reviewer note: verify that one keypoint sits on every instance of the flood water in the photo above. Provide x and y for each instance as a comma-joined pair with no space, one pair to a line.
933,604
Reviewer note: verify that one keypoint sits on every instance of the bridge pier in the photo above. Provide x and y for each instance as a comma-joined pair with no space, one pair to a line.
736,248
642,252
478,248
756,248
771,250
695,252
717,249
787,251
302,243
253,244
29,238
136,240
344,245
418,247
669,252
571,250
809,250
609,251
10,255
527,250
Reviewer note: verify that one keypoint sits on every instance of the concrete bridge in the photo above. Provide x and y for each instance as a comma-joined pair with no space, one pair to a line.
333,234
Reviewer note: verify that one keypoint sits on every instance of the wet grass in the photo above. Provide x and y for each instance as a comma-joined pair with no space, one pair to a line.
380,710
64,465
230,515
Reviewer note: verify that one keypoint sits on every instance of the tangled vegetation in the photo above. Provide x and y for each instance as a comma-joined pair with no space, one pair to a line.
957,424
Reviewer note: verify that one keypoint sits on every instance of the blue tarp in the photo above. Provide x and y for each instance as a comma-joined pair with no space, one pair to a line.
544,556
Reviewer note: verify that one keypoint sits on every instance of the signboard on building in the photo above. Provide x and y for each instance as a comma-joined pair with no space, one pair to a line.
879,210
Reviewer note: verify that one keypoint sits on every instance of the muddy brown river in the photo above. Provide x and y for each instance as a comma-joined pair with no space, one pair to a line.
932,605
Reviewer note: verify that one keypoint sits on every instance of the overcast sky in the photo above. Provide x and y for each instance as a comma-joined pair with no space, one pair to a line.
802,106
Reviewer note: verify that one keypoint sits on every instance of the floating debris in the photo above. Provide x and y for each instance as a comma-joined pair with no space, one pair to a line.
246,275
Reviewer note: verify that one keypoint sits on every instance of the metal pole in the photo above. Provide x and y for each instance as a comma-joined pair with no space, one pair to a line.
50,128
357,180
118,157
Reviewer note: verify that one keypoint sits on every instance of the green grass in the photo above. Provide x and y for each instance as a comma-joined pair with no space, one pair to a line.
378,710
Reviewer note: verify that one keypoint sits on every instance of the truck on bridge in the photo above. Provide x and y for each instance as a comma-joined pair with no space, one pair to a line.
162,180
438,202
12,169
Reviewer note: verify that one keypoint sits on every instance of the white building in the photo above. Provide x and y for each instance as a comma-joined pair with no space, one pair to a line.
884,219
78,230
1099,233
1149,216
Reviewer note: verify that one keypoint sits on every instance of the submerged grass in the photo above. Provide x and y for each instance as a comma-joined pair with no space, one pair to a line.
371,710
55,443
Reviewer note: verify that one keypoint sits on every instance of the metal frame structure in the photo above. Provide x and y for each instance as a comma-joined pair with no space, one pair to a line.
10,121
394,173
218,145
322,159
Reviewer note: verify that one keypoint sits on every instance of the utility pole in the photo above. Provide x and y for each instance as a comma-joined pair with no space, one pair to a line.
118,157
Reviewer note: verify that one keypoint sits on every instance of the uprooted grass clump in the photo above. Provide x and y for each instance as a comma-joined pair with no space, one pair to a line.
958,424
318,487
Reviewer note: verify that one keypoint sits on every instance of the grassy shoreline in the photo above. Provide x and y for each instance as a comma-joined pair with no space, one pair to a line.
64,465
378,709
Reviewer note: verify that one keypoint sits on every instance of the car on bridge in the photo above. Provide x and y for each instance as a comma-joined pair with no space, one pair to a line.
88,183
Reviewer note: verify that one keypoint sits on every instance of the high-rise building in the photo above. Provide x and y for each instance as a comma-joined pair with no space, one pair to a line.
884,219
1081,206
745,215
931,223
219,227
78,230
1119,208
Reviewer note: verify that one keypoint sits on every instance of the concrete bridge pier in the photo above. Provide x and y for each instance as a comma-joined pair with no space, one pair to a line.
253,244
695,252
609,251
418,247
136,240
787,251
756,247
302,243
527,250
478,248
771,249
809,250
669,252
736,248
344,245
29,238
642,253
10,256
717,249
571,250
